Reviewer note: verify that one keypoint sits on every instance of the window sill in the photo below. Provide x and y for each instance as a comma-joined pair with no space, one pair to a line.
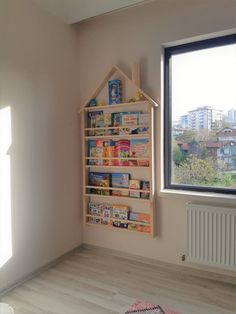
191,194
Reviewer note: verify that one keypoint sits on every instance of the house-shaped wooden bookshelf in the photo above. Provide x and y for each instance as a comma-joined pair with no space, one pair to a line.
117,147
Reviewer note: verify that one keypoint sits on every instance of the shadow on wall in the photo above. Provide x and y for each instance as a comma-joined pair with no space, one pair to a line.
5,186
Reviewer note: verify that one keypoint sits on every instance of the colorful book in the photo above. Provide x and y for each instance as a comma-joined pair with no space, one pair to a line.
108,152
94,220
95,150
95,208
107,118
139,148
139,227
119,224
145,185
120,180
134,185
99,179
106,214
129,118
107,210
114,92
139,217
122,150
144,119
125,118
95,119
120,212
116,119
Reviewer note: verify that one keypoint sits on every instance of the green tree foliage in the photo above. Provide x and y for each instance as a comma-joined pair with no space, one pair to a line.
187,136
194,171
178,156
227,179
203,153
193,147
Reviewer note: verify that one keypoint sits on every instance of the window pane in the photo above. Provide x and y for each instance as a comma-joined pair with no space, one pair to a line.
203,105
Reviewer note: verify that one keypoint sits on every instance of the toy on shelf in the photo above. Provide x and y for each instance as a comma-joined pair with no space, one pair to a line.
138,97
102,103
92,103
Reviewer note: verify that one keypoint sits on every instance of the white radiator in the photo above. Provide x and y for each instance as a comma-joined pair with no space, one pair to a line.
211,235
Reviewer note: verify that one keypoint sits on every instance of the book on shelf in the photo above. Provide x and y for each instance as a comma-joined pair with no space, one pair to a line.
143,219
125,118
95,119
139,217
108,152
95,209
107,210
107,118
144,118
120,212
139,148
120,224
99,179
122,150
120,180
94,220
102,210
134,185
139,227
145,185
95,150
129,118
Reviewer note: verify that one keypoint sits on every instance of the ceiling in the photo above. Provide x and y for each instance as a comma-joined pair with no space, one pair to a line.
72,11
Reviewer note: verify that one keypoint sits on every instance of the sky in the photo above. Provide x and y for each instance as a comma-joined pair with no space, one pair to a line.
205,77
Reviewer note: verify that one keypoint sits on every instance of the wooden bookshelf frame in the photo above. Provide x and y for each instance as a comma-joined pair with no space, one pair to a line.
149,203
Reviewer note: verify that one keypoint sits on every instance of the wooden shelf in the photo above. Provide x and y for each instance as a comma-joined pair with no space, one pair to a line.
119,197
120,220
121,167
143,171
141,136
122,105
116,189
118,127
107,227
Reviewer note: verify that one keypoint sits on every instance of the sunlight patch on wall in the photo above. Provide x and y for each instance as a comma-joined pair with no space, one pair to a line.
5,186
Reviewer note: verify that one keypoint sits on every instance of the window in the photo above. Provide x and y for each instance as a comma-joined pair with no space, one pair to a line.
200,116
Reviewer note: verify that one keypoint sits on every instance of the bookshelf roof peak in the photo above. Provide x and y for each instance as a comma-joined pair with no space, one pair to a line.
109,74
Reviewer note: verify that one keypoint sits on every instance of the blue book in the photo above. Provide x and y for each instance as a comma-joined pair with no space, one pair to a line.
120,180
114,92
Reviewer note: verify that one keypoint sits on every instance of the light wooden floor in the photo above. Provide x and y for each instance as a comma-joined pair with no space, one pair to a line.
103,281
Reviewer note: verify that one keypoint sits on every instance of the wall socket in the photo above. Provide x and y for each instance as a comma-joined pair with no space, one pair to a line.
182,257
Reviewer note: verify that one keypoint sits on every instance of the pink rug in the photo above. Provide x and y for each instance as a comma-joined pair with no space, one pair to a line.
144,307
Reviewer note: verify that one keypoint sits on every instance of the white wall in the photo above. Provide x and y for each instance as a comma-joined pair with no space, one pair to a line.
39,81
137,34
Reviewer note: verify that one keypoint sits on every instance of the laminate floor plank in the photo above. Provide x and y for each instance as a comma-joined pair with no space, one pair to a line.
101,281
